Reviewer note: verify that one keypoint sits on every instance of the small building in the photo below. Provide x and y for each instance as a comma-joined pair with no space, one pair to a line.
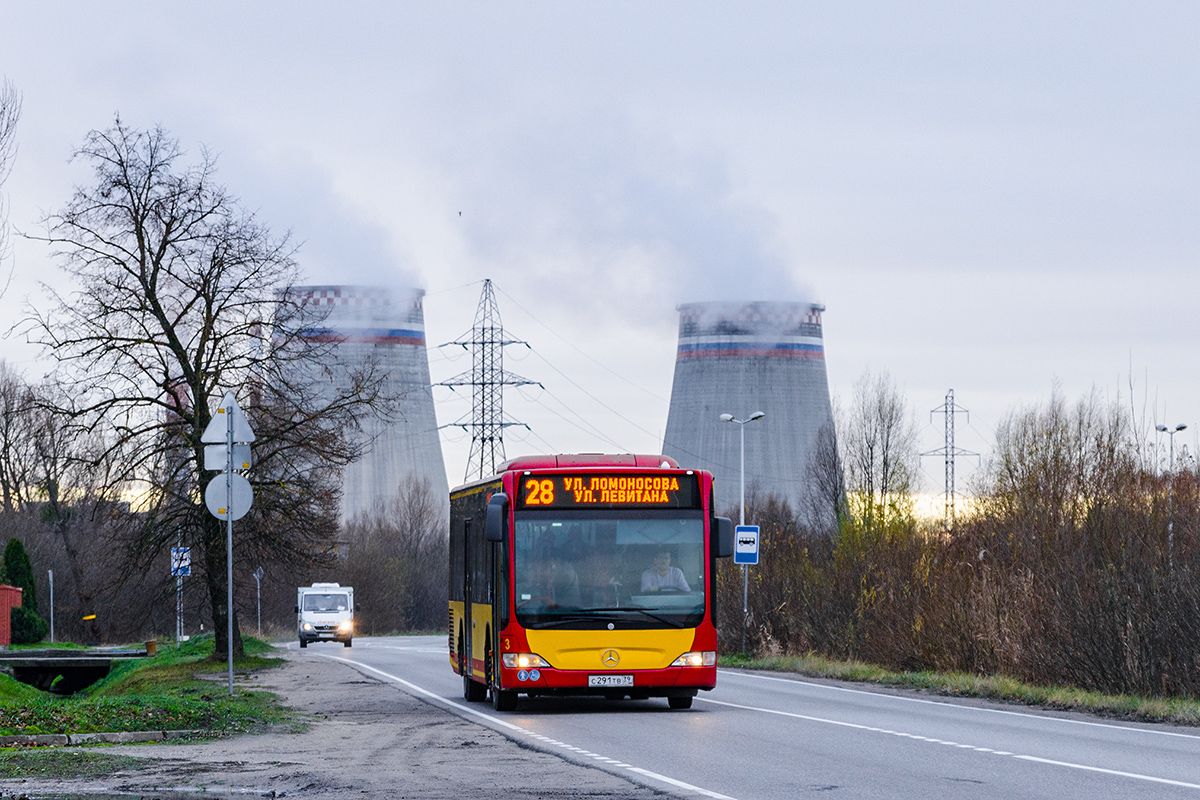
10,598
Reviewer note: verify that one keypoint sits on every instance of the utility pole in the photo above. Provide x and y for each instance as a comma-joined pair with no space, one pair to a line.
949,451
487,379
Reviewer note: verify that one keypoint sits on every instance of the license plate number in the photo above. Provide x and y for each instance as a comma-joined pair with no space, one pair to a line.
610,680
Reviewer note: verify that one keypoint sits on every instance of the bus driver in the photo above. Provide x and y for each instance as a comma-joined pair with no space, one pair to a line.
663,576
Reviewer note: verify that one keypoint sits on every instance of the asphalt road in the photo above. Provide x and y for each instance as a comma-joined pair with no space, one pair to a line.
770,737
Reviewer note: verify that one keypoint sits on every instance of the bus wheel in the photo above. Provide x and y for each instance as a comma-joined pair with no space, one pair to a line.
504,699
473,690
680,703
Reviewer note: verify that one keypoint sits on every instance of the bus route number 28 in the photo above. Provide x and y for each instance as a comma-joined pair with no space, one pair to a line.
539,493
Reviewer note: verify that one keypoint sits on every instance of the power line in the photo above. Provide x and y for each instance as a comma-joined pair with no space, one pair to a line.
594,430
580,350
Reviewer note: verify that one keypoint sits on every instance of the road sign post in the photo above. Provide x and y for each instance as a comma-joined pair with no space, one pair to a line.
745,552
229,426
181,565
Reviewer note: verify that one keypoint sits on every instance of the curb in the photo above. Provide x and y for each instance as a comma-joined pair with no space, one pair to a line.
123,737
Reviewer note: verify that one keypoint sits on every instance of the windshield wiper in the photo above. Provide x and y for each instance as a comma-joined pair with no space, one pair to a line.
643,611
563,619
588,615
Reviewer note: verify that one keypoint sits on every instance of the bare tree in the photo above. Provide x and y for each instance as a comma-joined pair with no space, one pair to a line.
879,451
184,294
10,113
823,503
397,560
17,435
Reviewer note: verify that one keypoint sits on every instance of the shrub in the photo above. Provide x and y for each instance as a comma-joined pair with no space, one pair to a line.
28,627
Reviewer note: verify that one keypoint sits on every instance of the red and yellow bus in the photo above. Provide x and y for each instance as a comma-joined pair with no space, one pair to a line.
585,574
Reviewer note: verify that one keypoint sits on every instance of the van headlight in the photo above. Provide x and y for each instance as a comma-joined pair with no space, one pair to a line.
523,660
306,626
346,627
706,658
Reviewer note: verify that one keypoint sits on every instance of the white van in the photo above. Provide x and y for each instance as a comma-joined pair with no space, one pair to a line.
325,612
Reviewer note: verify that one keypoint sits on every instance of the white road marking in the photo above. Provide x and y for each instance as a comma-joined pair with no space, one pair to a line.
945,703
872,729
518,729
441,651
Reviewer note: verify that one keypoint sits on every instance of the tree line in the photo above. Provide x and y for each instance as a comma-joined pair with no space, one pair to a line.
1076,563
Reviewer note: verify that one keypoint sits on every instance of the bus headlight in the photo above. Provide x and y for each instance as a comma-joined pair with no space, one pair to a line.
523,660
706,658
346,627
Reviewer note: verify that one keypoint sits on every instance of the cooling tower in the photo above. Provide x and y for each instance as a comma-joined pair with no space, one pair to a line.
739,358
388,327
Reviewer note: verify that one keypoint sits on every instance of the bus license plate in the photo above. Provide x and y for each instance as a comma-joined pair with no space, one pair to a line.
610,680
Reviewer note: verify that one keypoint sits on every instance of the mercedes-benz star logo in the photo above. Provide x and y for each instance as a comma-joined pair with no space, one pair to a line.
610,658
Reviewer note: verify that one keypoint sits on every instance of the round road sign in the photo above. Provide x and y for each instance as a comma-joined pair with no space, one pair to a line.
217,495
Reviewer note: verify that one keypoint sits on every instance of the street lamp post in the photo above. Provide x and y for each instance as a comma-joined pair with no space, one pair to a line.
258,576
51,573
1171,491
741,423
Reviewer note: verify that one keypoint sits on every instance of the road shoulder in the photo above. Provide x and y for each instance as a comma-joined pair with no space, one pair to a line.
364,736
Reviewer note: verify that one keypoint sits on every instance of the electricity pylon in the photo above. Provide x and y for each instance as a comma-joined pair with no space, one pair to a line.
950,408
487,380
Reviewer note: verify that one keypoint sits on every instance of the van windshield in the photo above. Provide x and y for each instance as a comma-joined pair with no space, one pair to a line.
326,602
586,569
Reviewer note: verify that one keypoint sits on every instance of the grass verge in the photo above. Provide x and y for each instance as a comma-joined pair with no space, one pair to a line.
175,690
1177,711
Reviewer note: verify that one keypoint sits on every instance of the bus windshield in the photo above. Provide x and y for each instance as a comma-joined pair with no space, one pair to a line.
622,568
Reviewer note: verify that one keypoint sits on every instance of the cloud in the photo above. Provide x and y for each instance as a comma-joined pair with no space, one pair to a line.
597,213
338,243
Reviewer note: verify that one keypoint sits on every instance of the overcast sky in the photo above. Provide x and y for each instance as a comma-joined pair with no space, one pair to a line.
989,197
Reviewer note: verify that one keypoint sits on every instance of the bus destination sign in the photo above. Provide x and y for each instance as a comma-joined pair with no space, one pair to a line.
591,490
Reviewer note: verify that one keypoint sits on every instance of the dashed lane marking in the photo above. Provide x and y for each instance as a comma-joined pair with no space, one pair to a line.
931,740
946,704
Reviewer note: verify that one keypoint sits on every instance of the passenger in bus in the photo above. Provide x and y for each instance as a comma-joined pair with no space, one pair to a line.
604,580
662,576
574,548
563,583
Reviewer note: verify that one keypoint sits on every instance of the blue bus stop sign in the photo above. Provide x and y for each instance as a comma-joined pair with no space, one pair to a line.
745,544
181,561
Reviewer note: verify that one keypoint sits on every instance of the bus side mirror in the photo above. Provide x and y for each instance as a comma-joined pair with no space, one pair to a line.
497,510
724,537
